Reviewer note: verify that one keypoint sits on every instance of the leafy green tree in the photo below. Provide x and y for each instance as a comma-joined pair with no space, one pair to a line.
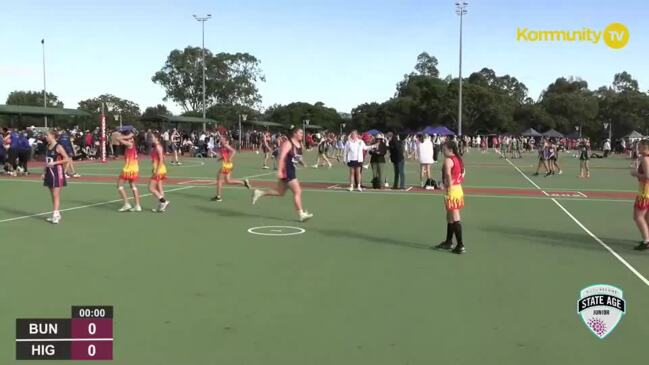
295,113
33,98
570,103
116,107
153,111
230,79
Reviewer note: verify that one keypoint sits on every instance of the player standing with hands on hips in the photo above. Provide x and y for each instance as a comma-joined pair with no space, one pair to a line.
290,153
54,175
453,176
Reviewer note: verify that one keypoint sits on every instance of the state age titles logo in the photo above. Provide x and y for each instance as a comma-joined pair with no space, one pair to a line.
601,307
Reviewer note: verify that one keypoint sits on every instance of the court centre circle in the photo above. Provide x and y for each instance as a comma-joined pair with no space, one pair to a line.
276,230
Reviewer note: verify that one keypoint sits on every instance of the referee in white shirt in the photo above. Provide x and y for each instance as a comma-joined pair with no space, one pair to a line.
353,155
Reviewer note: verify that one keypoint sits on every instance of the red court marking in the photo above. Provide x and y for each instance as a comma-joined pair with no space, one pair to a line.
328,186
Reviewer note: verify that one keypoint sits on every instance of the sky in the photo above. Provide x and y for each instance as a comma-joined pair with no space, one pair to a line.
339,52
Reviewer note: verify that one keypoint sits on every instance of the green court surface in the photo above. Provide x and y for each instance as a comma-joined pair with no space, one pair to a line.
360,285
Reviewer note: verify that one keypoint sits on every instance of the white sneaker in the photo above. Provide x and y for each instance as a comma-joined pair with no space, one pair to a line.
360,189
163,206
330,165
246,183
136,208
266,167
76,175
351,187
127,207
55,219
256,195
305,216
366,167
315,166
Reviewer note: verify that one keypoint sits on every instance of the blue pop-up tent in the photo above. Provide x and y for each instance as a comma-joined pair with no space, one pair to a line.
439,130
374,132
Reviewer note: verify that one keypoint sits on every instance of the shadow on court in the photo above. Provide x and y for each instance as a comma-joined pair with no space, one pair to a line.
14,213
579,240
220,210
347,234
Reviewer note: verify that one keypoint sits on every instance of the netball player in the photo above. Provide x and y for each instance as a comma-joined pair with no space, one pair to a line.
265,148
54,175
159,173
290,153
584,157
543,158
554,159
226,153
641,206
130,172
322,159
452,177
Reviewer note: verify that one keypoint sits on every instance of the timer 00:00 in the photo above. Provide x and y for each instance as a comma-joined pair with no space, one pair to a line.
94,313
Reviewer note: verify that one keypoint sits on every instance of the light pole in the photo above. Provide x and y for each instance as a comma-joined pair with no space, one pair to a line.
460,9
578,128
342,126
118,118
608,126
44,82
305,124
242,118
203,19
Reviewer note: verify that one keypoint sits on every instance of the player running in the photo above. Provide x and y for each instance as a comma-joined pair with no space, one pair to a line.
54,176
130,172
453,176
290,153
159,173
226,153
641,206
66,142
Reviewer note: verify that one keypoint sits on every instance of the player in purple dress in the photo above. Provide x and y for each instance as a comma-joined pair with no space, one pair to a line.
54,176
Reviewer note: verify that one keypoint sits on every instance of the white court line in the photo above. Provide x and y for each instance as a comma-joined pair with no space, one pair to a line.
582,194
410,188
266,174
85,206
597,239
332,186
199,182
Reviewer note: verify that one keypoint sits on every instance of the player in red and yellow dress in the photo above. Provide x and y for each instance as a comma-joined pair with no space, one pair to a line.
130,172
226,153
641,206
453,176
159,174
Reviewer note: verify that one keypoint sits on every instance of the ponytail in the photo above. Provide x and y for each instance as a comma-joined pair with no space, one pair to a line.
454,146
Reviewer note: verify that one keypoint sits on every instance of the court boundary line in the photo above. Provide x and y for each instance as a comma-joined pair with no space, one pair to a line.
85,206
583,227
340,189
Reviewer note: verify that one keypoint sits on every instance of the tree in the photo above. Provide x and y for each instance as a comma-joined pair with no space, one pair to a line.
116,107
230,79
427,65
570,103
153,111
295,113
33,98
623,106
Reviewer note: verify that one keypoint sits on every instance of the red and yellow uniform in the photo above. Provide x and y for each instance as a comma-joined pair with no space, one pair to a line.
454,197
642,199
131,169
158,165
226,157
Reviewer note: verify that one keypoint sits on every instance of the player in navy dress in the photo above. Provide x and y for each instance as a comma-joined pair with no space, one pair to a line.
54,176
290,153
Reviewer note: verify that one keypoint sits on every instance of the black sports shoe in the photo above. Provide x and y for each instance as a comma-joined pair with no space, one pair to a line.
535,174
459,249
642,246
217,199
444,246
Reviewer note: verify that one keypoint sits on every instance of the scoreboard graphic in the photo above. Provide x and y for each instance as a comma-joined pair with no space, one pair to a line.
87,335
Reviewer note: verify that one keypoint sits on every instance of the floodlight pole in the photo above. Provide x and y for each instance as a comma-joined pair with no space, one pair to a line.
44,82
460,9
203,20
242,118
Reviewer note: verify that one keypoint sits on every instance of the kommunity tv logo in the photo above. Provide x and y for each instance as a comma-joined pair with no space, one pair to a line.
615,35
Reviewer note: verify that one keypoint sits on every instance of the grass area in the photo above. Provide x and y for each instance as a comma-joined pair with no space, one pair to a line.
360,286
